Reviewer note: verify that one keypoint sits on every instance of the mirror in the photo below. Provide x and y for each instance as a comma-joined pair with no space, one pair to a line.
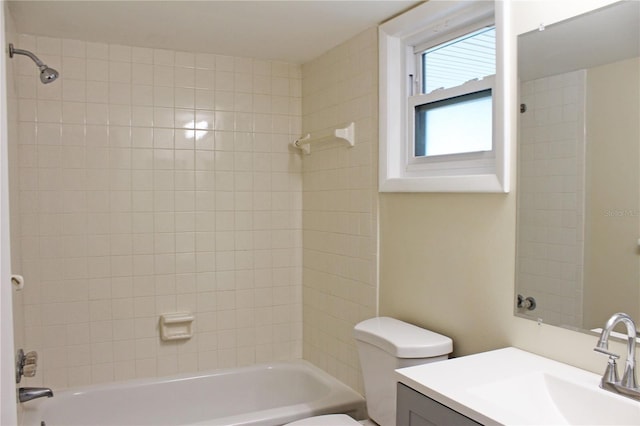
578,215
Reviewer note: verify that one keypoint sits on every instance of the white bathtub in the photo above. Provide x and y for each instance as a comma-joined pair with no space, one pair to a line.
269,394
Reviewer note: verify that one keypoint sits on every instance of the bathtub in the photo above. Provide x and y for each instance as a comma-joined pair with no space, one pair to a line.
265,395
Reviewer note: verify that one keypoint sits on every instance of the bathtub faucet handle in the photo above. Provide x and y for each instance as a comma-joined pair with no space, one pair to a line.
30,364
26,364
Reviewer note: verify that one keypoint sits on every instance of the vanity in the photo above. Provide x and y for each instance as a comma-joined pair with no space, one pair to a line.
507,387
414,409
577,234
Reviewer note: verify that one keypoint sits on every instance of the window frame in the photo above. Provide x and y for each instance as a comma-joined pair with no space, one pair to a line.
470,159
400,40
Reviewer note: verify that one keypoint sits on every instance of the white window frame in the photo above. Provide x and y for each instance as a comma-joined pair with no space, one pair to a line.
399,39
436,165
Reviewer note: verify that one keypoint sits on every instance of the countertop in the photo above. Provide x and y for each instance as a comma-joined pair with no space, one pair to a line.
481,386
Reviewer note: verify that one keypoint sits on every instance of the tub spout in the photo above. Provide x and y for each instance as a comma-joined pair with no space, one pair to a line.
27,394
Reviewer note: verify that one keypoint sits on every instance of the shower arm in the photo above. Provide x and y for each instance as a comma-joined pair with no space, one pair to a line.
14,51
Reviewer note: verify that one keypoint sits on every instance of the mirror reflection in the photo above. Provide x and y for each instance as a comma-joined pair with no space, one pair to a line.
578,234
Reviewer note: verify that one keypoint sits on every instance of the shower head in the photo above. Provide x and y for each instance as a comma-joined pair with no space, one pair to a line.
47,75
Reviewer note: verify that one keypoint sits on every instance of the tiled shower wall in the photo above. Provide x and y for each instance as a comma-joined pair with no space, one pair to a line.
551,197
340,205
150,182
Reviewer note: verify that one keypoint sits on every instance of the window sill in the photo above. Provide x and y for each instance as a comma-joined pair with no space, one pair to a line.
459,183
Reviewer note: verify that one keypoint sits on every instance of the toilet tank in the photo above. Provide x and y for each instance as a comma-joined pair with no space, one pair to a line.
385,344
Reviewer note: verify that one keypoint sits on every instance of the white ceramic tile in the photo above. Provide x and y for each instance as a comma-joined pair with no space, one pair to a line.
120,72
205,61
163,75
224,81
74,68
119,53
163,57
184,77
163,117
554,151
142,94
97,92
49,111
261,67
119,93
262,84
49,46
120,115
224,101
321,184
97,69
142,55
142,73
142,218
73,113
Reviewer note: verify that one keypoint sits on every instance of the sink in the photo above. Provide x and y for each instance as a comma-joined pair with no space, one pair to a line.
513,387
581,405
549,399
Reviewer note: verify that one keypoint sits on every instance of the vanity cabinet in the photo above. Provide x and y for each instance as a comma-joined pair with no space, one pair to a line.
416,409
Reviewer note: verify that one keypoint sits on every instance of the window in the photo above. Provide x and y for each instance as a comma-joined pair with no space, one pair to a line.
450,64
442,110
455,125
448,120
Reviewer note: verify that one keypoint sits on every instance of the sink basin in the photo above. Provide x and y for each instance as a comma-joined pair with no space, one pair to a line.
548,399
581,405
513,387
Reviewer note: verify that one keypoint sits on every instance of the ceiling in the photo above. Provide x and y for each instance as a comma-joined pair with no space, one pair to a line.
292,31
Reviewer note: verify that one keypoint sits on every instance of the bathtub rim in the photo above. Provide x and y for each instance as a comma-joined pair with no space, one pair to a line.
339,399
326,377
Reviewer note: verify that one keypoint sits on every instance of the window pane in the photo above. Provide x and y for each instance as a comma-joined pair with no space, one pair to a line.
455,125
458,61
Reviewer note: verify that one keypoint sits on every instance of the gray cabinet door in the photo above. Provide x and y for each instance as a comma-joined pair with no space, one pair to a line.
415,409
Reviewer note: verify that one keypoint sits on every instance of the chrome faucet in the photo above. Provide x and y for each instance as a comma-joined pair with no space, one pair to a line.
628,386
27,394
26,365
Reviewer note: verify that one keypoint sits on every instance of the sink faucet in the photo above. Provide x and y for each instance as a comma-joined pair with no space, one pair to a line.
628,386
27,394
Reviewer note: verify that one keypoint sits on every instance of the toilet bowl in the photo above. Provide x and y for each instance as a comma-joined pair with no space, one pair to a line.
384,345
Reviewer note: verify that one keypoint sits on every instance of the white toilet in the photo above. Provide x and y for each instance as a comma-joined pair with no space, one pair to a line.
385,344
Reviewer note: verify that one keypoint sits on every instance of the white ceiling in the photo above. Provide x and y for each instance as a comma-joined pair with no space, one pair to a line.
292,31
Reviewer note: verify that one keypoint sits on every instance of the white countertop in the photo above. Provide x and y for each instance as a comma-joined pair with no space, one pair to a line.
508,387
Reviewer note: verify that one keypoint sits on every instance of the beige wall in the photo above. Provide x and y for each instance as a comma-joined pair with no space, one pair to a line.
612,269
447,260
446,263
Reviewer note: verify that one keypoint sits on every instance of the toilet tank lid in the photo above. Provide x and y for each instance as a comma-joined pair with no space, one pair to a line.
402,339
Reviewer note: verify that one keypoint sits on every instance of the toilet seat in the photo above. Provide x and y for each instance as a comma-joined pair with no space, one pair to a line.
328,420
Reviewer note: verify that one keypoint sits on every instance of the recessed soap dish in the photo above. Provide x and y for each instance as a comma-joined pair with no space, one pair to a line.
177,326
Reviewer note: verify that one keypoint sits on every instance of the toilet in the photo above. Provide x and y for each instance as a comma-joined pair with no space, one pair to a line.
385,344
